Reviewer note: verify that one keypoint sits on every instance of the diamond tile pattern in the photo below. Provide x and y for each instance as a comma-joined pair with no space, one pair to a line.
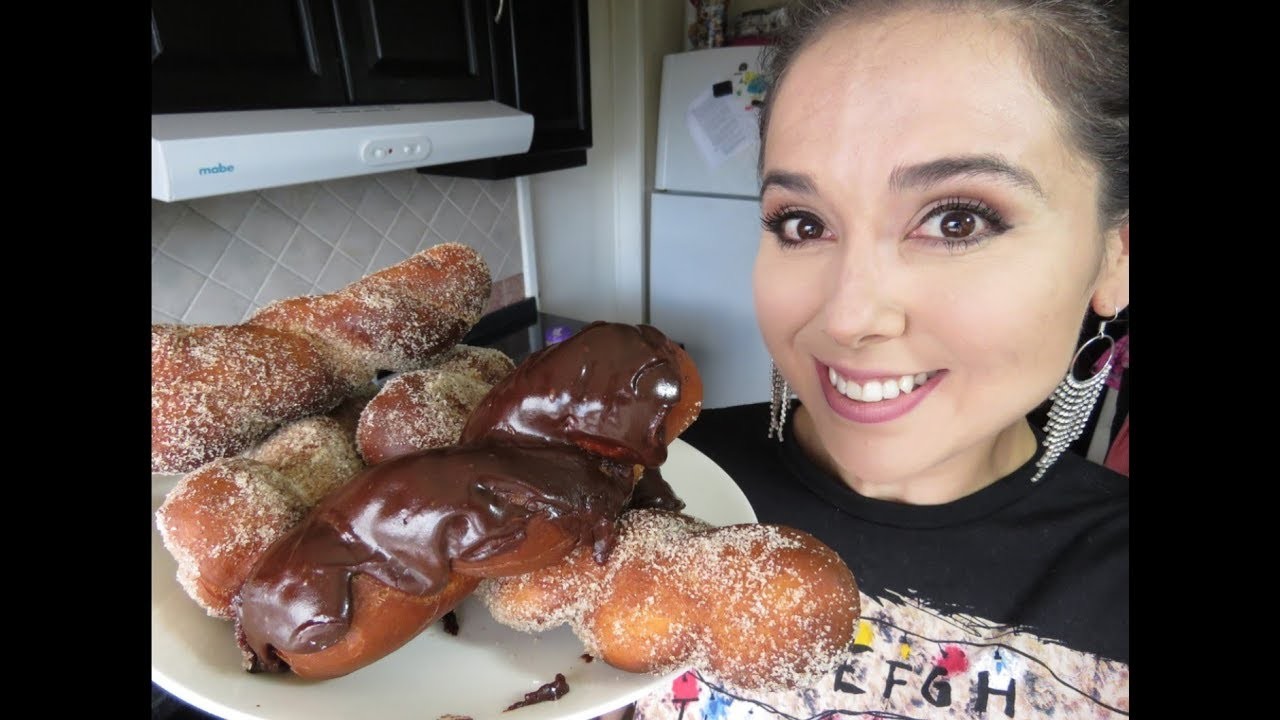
220,259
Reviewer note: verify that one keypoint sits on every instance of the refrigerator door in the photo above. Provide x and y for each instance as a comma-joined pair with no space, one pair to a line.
701,255
708,132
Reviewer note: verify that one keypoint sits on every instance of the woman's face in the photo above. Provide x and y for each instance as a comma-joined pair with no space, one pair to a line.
931,242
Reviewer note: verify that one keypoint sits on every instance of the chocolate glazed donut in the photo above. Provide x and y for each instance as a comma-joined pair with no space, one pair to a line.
546,463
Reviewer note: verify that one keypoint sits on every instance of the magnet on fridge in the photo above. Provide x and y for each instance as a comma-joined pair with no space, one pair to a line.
721,89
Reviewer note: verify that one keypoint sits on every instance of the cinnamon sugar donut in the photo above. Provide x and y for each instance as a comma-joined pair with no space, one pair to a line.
316,454
759,607
218,520
216,389
398,318
426,409
220,517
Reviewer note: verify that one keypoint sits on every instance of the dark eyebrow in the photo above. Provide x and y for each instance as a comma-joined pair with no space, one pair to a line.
925,175
796,182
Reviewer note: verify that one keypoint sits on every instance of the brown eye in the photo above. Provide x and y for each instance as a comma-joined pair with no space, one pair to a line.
808,228
793,227
957,224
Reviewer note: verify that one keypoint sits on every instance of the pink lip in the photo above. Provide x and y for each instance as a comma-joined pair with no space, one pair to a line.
876,412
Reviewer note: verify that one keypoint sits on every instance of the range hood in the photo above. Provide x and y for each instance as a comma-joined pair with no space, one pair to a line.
213,153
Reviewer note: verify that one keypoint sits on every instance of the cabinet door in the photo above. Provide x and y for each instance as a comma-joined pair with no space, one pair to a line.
552,71
246,55
406,51
541,60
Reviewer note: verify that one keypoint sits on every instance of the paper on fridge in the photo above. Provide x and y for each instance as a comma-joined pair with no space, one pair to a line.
720,127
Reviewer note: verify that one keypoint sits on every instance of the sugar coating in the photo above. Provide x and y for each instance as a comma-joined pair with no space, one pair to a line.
316,454
759,607
218,519
417,410
425,409
216,389
397,319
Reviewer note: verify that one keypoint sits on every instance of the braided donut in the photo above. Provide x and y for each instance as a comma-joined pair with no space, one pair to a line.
760,607
215,390
425,409
219,519
395,319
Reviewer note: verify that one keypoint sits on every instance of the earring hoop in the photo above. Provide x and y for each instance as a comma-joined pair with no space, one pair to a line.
1073,401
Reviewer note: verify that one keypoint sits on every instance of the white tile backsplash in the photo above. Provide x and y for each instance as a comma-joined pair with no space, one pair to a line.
407,231
464,195
281,283
339,273
360,242
379,207
218,260
294,200
163,216
226,211
306,254
448,221
400,185
425,200
485,213
196,242
327,217
267,228
388,254
178,287
243,268
217,305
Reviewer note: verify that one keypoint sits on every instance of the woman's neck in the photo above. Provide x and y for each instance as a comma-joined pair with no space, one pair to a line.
953,478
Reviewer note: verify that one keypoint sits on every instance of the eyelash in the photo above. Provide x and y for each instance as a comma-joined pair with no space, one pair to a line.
990,215
776,220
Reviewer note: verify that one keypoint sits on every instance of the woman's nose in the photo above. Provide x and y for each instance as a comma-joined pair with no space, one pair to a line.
861,308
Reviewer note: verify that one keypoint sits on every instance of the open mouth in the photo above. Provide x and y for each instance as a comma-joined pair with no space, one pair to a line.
872,391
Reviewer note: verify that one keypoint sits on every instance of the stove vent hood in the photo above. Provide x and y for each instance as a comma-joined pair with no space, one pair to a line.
214,153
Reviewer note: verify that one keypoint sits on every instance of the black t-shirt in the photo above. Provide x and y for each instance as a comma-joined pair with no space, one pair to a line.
1012,601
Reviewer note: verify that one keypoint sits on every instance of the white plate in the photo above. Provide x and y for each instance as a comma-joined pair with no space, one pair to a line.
477,673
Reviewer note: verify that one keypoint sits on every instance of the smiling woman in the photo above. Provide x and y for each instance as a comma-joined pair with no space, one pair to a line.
944,202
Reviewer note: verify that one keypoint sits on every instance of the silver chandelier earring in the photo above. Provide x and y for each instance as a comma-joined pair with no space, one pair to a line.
779,401
1073,402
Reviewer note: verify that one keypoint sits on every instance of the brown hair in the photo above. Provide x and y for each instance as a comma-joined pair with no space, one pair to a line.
1079,53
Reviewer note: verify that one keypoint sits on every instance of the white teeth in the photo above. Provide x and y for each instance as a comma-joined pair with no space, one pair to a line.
876,390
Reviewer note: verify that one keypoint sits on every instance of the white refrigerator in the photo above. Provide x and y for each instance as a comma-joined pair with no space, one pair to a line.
704,219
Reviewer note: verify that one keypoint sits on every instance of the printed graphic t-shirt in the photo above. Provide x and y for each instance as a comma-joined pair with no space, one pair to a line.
1010,602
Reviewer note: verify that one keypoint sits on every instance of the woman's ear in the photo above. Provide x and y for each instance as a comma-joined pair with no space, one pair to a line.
1112,292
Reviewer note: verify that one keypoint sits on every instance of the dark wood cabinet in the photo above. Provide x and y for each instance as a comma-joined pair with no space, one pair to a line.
406,52
541,61
211,55
244,55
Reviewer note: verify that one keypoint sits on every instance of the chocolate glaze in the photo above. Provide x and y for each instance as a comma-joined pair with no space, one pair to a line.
607,389
559,439
403,522
553,690
652,491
